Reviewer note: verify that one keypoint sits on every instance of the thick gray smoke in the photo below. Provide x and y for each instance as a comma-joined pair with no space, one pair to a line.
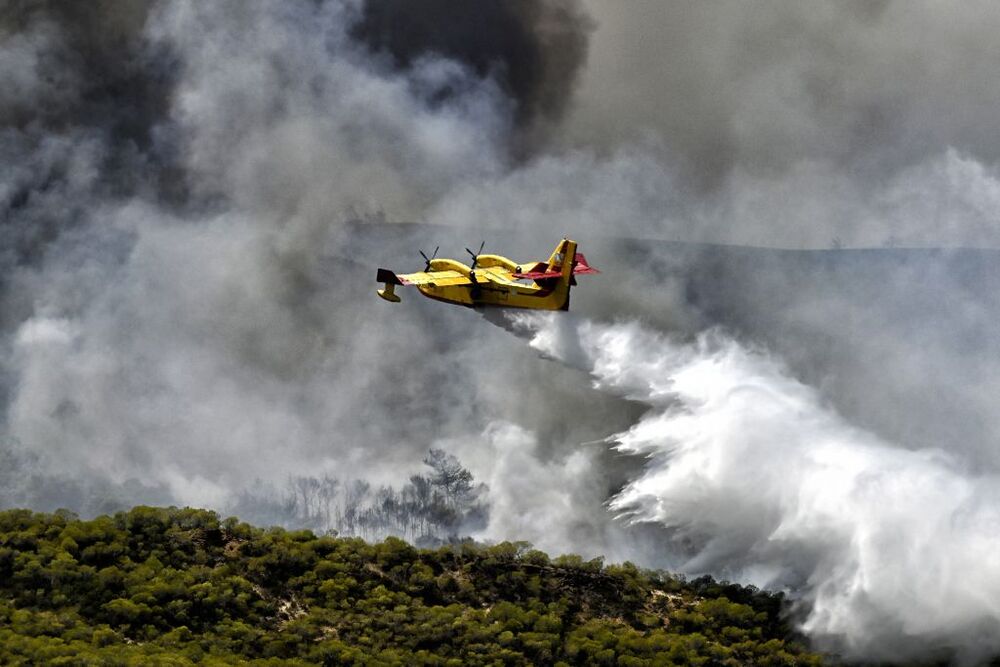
532,50
171,340
776,124
194,196
774,86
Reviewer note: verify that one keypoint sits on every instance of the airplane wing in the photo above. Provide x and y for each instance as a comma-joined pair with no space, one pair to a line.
496,274
537,275
445,278
436,278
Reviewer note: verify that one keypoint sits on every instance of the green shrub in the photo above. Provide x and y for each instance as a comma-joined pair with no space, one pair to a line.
179,587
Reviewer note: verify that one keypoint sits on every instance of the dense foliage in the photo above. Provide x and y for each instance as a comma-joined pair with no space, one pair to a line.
179,586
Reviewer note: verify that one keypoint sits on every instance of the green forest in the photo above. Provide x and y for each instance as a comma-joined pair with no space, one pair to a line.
181,586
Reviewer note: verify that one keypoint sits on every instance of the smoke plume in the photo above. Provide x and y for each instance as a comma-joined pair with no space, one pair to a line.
532,50
770,88
194,196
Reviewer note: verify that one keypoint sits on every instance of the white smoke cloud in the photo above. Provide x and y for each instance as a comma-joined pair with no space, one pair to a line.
284,114
199,335
534,500
945,200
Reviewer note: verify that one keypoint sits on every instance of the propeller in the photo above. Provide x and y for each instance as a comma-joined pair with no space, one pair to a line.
475,255
427,266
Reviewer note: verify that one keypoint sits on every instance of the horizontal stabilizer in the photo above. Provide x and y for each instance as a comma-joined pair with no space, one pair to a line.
388,277
580,267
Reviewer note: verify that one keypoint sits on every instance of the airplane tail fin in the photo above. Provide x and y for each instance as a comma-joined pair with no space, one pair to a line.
562,260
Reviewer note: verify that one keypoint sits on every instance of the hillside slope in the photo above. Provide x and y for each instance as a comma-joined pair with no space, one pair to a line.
179,586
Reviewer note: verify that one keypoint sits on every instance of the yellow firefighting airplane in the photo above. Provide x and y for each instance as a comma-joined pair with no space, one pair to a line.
493,280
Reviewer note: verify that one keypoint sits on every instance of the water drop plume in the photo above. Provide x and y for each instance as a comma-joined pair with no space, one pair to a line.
891,552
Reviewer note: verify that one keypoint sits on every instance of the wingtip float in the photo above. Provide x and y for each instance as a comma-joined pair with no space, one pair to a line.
493,280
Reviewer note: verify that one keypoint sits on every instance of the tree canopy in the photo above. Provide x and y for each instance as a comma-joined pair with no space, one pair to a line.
181,586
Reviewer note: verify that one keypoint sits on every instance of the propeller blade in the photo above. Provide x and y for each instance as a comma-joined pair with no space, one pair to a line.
427,260
475,257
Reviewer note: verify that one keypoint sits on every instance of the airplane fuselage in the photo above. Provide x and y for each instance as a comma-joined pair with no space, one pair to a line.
494,280
494,288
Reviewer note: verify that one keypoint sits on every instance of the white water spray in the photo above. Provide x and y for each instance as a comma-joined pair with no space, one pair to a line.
894,552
